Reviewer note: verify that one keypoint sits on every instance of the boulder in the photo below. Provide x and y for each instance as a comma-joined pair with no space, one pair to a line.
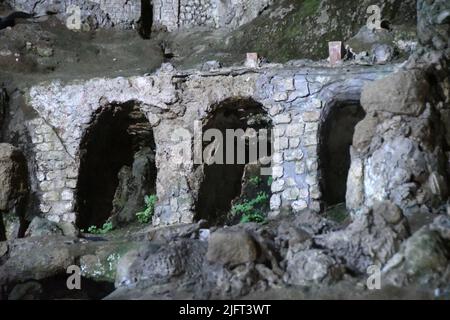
157,264
37,259
382,53
391,213
42,227
441,224
364,132
211,65
219,282
404,92
311,267
232,248
41,258
69,229
101,263
372,238
171,233
123,267
366,39
399,169
422,259
13,226
355,184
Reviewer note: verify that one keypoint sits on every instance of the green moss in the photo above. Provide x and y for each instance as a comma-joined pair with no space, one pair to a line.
106,227
309,7
338,213
282,38
299,34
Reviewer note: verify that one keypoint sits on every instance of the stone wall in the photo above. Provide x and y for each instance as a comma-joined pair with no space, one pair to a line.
197,12
166,14
174,14
298,100
122,14
170,14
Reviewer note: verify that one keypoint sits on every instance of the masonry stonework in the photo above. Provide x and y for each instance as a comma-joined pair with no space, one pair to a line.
297,101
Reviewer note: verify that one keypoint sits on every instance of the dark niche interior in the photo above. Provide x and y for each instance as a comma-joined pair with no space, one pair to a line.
115,141
222,183
146,20
336,137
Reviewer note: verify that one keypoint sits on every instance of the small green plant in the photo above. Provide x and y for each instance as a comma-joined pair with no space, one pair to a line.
269,181
257,217
107,227
256,180
248,209
146,215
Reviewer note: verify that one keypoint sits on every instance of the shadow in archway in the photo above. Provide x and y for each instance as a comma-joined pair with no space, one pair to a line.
336,137
118,143
223,182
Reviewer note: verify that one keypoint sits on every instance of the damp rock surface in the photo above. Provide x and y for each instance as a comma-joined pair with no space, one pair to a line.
186,149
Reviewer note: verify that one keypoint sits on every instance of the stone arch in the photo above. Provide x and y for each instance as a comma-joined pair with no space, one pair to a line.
117,166
335,139
223,183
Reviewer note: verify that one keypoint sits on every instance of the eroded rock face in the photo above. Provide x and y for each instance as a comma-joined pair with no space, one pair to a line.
400,150
134,184
433,24
382,54
404,93
120,14
13,185
13,176
397,149
42,227
312,267
320,21
383,45
36,258
158,264
400,165
292,252
372,238
232,13
231,248
423,258
43,260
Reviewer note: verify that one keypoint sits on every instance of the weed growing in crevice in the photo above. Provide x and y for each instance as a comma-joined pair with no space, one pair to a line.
147,215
